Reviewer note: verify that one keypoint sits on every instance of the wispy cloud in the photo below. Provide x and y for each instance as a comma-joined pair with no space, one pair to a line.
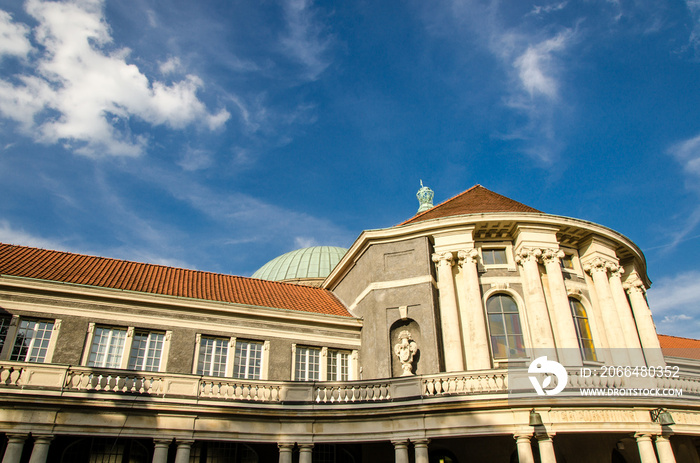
674,303
13,37
305,39
11,235
687,153
536,69
80,90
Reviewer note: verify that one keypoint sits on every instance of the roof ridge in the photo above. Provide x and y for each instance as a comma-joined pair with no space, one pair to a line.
442,203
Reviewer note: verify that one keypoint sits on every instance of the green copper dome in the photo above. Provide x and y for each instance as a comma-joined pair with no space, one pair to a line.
308,263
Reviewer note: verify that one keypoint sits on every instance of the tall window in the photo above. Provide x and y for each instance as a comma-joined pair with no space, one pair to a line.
4,326
504,325
107,347
213,356
32,341
248,360
146,350
307,364
583,329
337,365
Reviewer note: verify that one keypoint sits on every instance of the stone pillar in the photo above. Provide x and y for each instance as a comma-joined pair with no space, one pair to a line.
305,452
449,316
598,269
15,445
645,324
160,450
476,342
538,315
565,336
40,451
400,451
546,446
285,452
629,327
421,449
183,451
646,449
664,449
524,449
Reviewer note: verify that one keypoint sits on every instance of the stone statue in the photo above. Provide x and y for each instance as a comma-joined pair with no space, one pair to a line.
405,350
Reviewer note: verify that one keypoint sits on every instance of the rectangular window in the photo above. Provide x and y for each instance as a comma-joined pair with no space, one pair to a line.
248,360
32,341
567,262
338,365
107,347
213,356
4,326
494,256
146,351
307,364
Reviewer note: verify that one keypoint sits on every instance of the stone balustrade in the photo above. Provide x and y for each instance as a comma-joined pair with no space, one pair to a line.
67,380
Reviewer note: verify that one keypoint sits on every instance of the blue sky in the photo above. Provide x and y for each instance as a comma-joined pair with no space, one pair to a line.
219,135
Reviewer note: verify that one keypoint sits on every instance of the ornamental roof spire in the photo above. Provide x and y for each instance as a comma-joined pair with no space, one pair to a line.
425,198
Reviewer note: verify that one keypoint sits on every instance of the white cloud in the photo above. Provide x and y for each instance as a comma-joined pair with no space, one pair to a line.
538,10
83,93
687,153
675,303
10,235
170,66
304,40
13,37
535,66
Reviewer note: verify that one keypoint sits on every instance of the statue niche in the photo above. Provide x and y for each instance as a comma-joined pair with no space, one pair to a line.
396,331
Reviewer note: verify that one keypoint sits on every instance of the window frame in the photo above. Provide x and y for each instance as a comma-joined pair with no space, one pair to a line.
579,337
575,262
324,359
522,324
231,365
507,247
126,354
13,330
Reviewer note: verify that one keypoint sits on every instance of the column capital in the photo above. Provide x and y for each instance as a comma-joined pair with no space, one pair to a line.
552,256
44,438
599,264
17,437
400,443
527,255
285,446
662,437
443,258
305,447
422,442
162,442
634,284
522,437
468,255
643,436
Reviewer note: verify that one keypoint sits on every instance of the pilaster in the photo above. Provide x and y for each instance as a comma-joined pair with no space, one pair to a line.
476,342
449,315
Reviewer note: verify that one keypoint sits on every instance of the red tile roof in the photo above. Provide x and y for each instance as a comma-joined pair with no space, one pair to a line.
475,200
673,346
66,267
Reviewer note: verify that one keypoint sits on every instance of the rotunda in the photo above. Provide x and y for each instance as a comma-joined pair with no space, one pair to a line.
306,266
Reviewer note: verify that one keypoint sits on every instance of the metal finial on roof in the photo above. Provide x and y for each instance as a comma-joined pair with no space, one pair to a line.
425,198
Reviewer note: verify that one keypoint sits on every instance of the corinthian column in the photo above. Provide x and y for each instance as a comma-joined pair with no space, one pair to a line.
598,269
476,342
565,336
449,316
629,327
645,324
536,306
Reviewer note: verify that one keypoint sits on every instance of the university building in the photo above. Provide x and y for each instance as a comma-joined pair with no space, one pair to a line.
479,330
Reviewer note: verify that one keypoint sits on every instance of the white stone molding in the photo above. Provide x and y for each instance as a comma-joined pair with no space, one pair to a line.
403,312
449,315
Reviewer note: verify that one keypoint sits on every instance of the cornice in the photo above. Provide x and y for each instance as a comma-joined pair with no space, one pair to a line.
466,223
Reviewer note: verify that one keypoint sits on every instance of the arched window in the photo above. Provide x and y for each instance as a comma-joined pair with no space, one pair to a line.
504,325
583,329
